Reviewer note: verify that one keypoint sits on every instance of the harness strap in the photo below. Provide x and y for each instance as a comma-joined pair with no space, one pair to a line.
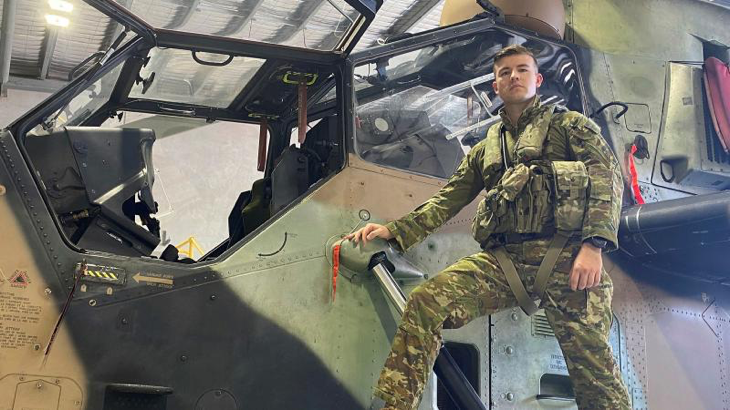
543,272
302,102
514,281
548,262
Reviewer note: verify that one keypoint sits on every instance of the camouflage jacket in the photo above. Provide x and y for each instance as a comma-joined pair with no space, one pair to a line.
571,137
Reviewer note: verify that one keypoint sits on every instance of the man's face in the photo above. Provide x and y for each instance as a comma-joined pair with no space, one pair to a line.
517,79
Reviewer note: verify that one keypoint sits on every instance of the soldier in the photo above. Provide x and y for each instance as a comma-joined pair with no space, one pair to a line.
552,206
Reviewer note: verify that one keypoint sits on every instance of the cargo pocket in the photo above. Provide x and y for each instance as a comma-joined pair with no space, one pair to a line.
601,184
571,184
598,305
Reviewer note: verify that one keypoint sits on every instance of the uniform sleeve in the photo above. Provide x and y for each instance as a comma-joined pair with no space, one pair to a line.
606,184
463,186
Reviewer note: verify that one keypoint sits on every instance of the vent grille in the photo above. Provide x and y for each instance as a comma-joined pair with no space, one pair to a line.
541,326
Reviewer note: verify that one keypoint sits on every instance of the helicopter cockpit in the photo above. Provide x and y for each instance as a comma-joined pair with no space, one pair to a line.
223,117
424,109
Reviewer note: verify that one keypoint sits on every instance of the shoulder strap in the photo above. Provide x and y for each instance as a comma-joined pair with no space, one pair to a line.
503,147
492,146
530,144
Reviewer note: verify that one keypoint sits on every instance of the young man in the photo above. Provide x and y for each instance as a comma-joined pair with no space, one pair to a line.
563,222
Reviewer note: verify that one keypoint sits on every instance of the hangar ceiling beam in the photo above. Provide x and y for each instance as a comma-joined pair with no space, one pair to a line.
6,43
49,86
183,17
413,16
49,47
238,23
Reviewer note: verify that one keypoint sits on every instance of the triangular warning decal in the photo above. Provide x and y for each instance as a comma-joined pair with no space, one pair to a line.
19,279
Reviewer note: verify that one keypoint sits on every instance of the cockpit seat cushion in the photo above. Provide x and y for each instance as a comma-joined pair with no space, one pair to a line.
717,86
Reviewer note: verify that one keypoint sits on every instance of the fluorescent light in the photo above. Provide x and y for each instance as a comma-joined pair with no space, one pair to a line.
61,5
56,20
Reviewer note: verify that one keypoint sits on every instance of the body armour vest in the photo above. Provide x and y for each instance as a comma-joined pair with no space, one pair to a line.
533,196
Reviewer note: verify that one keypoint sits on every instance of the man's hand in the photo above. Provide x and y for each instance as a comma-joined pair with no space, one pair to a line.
587,267
370,232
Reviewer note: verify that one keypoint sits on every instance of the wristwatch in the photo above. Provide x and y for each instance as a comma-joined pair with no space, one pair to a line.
598,242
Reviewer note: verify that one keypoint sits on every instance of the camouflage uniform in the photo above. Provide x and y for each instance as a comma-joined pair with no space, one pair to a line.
476,285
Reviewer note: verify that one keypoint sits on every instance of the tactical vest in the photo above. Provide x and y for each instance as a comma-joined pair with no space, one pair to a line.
533,198
534,195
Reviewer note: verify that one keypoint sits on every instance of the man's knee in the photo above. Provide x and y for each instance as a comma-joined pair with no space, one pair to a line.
419,307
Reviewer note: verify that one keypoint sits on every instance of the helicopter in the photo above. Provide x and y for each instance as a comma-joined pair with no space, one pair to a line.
99,309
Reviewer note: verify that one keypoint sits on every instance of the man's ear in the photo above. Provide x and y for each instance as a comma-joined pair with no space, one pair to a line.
538,80
494,86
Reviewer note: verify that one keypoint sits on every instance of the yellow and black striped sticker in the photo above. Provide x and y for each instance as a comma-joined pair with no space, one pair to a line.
104,274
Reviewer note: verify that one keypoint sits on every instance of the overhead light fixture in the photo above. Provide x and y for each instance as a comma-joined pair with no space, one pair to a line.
61,5
56,20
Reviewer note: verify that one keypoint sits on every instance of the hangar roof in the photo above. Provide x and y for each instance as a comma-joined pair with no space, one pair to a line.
43,51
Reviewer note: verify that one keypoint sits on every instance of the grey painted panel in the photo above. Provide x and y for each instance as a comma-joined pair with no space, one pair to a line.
683,361
683,141
659,29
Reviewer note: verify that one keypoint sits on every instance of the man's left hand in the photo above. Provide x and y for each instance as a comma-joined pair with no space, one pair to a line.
587,267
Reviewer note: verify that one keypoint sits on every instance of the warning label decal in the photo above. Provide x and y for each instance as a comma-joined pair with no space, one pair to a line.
19,279
17,313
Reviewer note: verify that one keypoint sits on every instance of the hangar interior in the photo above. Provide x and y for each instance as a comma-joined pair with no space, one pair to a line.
52,42
43,55
408,96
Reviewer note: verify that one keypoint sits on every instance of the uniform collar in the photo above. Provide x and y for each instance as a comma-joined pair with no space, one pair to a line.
528,115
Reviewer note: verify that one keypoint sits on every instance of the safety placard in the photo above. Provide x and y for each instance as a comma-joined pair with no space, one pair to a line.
104,274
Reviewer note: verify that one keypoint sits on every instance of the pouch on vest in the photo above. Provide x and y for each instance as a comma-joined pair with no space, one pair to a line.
493,216
496,212
571,186
533,207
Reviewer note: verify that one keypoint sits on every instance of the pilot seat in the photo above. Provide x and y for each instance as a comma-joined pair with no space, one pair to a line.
99,182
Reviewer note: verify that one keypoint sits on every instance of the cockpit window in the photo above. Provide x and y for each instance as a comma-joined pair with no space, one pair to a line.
173,75
316,25
85,103
423,110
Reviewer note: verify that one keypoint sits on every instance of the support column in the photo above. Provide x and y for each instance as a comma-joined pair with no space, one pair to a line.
6,44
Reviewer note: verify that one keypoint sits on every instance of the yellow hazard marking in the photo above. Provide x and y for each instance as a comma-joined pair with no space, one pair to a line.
101,274
191,244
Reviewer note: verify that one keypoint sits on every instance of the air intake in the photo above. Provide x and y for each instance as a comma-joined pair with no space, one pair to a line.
541,326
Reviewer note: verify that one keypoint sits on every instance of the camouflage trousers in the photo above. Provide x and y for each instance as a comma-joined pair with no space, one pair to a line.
475,286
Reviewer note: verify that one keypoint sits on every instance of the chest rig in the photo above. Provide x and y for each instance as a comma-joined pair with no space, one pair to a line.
534,198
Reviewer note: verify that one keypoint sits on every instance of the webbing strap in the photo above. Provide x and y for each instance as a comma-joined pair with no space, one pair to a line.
548,262
302,123
634,176
514,281
335,267
543,272
263,133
